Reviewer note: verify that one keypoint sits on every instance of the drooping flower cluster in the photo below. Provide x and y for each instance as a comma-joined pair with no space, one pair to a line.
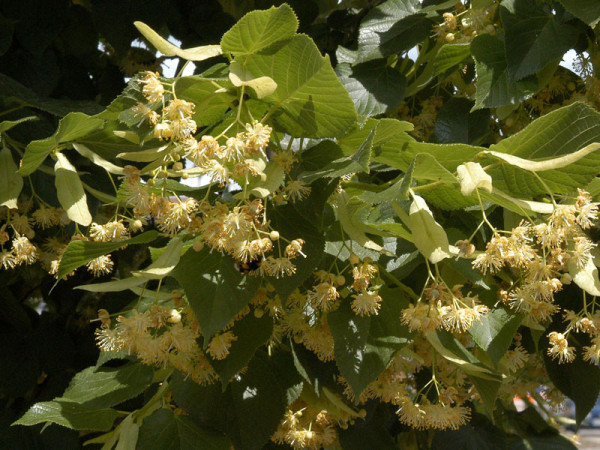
545,256
441,307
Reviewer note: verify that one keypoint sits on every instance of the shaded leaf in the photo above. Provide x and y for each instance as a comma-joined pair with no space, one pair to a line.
534,37
391,27
494,86
495,331
374,87
364,346
71,127
11,182
216,290
164,430
104,387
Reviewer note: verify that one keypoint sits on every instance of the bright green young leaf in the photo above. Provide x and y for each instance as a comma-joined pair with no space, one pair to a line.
495,331
373,86
391,27
69,414
259,29
97,159
168,49
559,133
216,290
70,191
309,100
105,387
71,127
534,37
251,333
166,430
586,10
494,86
241,76
79,253
11,182
449,56
164,264
428,235
364,346
211,102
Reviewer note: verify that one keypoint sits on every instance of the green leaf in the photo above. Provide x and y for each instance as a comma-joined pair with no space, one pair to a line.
495,332
105,387
309,100
71,127
70,415
251,333
211,102
374,87
392,27
578,380
70,191
112,286
586,10
553,135
79,253
364,346
11,182
216,290
168,49
164,430
534,37
428,235
356,163
449,56
494,86
164,264
260,29
456,123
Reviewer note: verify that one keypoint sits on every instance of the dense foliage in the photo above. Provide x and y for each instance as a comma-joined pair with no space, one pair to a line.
362,225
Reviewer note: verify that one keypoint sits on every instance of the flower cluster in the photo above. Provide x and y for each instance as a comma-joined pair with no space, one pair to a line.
545,256
441,307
